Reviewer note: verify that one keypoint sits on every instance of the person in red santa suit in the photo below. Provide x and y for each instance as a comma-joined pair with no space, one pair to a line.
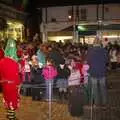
10,82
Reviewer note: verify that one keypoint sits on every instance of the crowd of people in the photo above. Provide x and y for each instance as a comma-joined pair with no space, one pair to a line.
56,63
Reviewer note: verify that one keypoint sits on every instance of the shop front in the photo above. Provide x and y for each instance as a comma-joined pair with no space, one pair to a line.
85,33
60,36
89,33
15,23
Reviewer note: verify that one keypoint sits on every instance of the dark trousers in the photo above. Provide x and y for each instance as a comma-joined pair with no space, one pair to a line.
113,65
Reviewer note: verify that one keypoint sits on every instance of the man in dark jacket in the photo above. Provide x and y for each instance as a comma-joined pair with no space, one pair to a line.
55,56
97,59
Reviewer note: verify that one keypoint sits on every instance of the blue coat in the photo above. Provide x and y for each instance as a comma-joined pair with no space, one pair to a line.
97,59
41,57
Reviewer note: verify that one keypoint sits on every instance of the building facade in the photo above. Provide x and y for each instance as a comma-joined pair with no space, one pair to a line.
81,22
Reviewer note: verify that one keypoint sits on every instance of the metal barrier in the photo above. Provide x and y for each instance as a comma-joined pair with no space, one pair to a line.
57,109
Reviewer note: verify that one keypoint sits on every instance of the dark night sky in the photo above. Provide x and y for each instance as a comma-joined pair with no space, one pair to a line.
71,2
33,4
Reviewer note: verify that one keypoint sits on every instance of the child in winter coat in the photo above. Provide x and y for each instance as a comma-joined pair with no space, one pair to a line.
25,68
75,76
62,80
49,72
36,71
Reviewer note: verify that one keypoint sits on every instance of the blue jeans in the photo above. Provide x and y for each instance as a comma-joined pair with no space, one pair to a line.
98,90
49,89
62,83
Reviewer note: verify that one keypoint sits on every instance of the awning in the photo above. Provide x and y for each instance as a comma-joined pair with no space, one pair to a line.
92,29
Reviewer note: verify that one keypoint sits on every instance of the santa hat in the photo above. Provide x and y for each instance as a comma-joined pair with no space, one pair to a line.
1,53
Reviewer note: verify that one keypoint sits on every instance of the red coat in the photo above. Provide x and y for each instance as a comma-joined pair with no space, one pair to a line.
19,53
79,66
9,70
9,78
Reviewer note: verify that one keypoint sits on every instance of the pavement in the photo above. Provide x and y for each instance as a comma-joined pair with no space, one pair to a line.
38,110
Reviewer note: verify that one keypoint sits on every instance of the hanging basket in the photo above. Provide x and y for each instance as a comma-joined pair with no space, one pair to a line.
3,24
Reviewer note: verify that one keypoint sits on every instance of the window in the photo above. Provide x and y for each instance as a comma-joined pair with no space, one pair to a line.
83,14
53,20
